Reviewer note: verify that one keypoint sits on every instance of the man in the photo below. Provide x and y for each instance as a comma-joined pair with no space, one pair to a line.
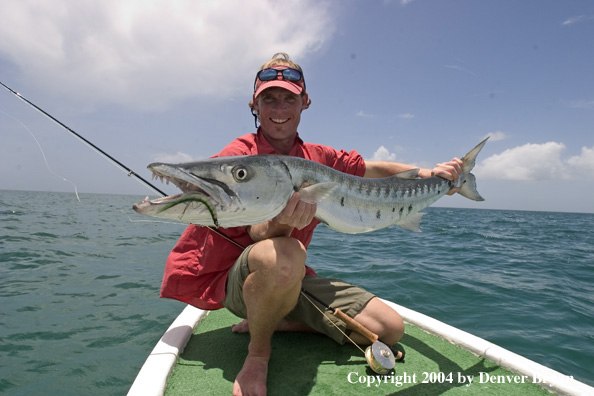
263,282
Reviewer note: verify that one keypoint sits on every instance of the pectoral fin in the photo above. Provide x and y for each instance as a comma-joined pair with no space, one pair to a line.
317,192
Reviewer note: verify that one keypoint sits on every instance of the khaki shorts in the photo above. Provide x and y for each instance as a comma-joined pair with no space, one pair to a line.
338,294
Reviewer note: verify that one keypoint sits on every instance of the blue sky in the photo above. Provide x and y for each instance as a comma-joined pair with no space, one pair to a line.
413,81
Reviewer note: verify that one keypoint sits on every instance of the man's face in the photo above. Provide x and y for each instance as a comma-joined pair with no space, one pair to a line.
279,112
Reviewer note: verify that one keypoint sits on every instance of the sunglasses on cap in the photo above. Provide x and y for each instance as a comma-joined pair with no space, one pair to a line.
292,75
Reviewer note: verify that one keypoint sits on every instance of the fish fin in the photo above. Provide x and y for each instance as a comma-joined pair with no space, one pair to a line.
409,174
469,159
467,181
412,222
468,188
317,192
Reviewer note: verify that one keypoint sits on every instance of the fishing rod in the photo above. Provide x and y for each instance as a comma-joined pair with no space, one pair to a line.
87,142
380,357
114,161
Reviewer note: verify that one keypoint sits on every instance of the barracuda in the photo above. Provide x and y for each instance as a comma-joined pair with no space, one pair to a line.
247,190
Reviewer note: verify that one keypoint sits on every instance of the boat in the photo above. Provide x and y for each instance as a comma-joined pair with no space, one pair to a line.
199,355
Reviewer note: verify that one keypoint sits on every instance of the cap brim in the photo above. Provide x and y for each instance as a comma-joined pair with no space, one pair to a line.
288,85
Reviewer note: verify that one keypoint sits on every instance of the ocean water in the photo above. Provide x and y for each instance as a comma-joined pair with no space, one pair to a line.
79,285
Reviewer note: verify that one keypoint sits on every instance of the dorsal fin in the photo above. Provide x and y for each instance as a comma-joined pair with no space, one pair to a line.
409,174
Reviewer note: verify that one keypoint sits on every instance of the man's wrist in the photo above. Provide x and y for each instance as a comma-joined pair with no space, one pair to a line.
424,173
269,229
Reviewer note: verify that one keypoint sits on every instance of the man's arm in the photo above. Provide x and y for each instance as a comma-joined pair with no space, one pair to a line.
448,170
298,214
377,169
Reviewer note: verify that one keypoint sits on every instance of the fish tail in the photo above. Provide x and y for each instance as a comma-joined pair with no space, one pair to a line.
467,181
468,188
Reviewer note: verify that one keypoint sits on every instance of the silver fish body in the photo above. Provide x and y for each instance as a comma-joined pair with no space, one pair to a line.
246,190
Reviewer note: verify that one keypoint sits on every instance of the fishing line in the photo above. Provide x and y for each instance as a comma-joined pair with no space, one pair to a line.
307,296
158,191
43,154
150,221
87,142
114,161
381,357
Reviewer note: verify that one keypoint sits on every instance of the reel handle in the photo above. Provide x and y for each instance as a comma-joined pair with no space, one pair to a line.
356,326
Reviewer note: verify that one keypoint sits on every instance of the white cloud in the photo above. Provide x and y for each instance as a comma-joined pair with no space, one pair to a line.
537,162
403,3
577,19
582,104
364,114
148,54
383,154
461,69
496,136
583,164
406,116
572,20
174,158
527,162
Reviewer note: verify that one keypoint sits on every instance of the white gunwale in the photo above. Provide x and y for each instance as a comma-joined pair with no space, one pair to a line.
152,378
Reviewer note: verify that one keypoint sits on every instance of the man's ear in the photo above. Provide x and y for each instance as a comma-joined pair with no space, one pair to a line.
305,103
255,107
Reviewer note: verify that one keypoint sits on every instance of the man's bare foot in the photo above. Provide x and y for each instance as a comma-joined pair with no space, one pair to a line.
251,380
241,327
284,325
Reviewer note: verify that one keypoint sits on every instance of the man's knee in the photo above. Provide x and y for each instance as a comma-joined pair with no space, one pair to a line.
289,250
282,257
382,320
391,325
393,329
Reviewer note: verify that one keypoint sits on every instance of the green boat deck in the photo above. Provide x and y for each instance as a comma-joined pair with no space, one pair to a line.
312,364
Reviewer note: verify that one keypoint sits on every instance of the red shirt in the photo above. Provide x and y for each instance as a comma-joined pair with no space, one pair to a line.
197,267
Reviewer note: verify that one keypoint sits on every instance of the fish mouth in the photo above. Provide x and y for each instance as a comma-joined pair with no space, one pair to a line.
192,182
185,186
195,189
186,198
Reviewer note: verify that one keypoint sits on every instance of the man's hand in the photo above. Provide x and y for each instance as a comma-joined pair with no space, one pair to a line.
449,170
297,214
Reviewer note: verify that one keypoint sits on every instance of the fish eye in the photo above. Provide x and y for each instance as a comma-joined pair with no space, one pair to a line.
240,173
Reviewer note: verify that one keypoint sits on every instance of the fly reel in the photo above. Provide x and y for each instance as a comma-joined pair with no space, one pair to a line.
380,357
